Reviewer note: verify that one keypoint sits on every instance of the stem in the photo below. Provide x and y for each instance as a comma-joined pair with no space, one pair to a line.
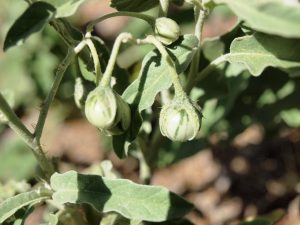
122,38
63,32
179,92
148,19
46,164
199,24
79,47
59,75
72,37
18,127
200,16
96,61
164,7
14,122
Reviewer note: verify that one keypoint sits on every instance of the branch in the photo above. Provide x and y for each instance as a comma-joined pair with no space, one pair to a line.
18,127
59,75
14,122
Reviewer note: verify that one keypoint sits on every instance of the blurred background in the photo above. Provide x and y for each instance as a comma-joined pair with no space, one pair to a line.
246,162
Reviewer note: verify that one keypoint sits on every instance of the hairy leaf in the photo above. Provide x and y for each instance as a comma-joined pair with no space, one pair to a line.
259,51
13,204
31,21
215,47
133,201
268,16
154,76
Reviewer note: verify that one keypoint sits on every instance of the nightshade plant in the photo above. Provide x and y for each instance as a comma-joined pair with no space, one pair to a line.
266,35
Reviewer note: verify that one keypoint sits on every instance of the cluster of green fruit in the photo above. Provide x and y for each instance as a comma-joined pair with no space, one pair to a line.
179,120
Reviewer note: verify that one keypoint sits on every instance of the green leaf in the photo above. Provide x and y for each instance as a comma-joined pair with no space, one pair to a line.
133,201
259,51
268,16
215,47
154,76
87,72
64,8
19,217
13,204
133,5
31,21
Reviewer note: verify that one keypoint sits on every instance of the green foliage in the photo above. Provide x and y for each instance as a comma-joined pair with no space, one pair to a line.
259,51
13,204
133,201
31,21
19,217
248,75
268,16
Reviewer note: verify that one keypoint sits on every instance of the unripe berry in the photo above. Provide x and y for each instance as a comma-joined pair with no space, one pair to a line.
180,120
166,30
106,110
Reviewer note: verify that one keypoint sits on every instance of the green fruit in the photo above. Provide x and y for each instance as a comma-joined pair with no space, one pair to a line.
180,120
106,110
166,30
